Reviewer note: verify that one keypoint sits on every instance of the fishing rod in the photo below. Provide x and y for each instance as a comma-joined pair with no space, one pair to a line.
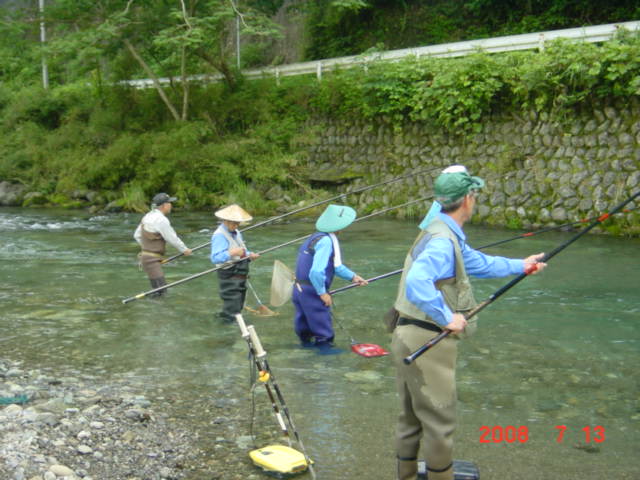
266,376
369,280
270,249
550,229
308,207
499,242
528,271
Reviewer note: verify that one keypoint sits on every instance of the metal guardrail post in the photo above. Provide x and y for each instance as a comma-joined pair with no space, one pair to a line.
541,42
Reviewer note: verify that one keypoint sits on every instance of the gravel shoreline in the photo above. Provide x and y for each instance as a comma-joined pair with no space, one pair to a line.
80,427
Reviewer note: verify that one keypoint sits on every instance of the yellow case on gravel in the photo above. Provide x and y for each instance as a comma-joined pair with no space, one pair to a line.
279,459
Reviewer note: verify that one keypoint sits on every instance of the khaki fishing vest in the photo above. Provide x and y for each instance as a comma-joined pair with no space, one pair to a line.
456,290
153,242
233,241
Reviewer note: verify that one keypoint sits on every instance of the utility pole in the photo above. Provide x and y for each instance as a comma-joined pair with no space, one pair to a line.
235,7
43,39
238,41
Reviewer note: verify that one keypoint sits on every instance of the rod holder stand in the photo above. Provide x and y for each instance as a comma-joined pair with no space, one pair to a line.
255,341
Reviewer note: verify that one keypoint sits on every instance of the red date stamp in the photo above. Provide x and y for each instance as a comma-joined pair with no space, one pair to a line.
513,434
509,434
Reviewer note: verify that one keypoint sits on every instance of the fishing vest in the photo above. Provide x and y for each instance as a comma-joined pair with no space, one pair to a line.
153,242
456,290
240,268
305,261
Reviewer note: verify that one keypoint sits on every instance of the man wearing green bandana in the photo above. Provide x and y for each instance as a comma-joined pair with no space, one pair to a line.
433,295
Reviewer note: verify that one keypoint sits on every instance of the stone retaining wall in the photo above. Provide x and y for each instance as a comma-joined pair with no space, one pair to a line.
539,171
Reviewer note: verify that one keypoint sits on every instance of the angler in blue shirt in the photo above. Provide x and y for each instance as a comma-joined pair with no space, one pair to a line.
227,245
319,260
433,295
437,261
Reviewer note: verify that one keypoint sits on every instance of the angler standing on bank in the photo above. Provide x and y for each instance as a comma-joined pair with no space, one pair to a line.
227,244
153,233
433,295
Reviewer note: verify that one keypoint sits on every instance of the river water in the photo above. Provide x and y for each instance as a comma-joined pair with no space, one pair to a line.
559,349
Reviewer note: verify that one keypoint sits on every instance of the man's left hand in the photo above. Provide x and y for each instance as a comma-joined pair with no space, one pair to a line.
532,260
359,280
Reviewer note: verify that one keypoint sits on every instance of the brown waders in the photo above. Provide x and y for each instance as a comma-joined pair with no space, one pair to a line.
427,393
153,248
150,264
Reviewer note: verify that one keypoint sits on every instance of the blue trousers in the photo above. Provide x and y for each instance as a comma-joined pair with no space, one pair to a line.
312,318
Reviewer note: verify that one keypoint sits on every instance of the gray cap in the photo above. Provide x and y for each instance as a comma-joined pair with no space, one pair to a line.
161,198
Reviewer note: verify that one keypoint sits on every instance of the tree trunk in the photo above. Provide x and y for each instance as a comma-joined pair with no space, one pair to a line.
185,84
153,77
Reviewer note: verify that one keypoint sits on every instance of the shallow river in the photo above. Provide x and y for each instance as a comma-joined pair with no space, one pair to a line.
559,349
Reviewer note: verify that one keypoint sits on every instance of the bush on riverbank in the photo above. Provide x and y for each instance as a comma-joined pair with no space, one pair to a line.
79,145
121,143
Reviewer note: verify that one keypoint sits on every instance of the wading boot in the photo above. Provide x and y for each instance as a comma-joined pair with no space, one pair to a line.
440,475
407,470
157,283
328,348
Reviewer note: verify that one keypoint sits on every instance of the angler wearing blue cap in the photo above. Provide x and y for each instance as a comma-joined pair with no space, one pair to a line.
319,260
433,295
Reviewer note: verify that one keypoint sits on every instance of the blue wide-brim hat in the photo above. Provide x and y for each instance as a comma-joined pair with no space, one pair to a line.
334,218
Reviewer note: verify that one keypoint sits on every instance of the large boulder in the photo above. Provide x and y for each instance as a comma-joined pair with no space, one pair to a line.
11,194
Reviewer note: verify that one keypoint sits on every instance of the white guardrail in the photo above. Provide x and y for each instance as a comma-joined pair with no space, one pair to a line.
527,41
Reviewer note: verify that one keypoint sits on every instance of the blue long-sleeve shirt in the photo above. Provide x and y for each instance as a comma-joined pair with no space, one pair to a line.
437,261
220,246
324,248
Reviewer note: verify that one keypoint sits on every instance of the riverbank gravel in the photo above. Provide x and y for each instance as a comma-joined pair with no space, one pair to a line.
83,428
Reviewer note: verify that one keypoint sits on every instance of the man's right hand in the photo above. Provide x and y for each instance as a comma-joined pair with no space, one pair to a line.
457,323
236,252
187,252
326,299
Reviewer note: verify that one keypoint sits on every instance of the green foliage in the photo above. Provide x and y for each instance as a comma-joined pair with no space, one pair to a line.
134,198
243,139
349,27
456,94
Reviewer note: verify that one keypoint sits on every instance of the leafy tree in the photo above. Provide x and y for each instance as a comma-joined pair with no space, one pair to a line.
164,38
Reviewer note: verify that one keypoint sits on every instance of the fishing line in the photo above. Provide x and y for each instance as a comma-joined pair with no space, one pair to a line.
308,207
230,263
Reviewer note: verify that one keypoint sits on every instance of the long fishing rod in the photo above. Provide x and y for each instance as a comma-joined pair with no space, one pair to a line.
266,376
369,280
532,268
308,207
499,242
270,249
550,229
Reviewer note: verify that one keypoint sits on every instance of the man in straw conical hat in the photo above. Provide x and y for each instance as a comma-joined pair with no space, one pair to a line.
226,245
433,295
319,259
153,233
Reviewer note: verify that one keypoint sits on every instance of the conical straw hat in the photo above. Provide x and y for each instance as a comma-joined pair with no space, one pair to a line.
234,213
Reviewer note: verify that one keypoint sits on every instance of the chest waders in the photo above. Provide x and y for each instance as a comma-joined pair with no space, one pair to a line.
312,320
232,280
427,388
153,249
